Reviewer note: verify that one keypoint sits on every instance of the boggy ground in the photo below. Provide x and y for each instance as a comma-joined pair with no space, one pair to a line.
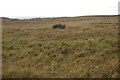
86,48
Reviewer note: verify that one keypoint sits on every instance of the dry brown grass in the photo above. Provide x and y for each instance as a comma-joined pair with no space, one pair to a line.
86,48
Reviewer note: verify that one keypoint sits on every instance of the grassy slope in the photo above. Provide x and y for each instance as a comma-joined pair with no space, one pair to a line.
86,48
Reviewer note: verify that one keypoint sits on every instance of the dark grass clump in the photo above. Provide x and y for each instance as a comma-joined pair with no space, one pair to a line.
58,26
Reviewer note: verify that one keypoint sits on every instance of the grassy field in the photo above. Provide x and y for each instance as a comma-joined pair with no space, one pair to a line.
86,48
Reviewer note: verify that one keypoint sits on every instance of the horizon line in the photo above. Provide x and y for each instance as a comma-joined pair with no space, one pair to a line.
33,17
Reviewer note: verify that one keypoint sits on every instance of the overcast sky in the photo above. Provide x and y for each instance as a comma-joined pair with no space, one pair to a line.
57,8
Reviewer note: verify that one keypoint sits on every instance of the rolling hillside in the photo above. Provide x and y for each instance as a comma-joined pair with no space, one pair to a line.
86,48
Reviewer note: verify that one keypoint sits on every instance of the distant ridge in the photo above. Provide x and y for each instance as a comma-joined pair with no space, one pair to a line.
61,17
